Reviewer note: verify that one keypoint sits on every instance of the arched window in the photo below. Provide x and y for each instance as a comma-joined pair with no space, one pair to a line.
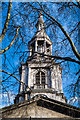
40,78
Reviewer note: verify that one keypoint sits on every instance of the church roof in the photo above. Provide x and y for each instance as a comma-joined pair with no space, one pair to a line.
40,34
45,102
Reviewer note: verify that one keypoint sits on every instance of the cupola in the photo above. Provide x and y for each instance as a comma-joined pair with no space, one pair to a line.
40,42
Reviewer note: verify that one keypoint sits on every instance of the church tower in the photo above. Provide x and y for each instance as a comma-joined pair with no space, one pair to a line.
40,72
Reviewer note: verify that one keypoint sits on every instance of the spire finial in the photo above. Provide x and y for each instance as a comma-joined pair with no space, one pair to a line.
40,14
40,22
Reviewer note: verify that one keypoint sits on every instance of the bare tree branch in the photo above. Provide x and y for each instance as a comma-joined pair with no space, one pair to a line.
61,58
14,77
6,91
7,48
6,22
77,83
78,4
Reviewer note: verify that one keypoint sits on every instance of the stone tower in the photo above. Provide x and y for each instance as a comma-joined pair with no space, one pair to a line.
40,72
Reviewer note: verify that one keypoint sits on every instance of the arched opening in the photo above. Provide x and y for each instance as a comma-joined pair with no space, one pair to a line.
40,79
40,46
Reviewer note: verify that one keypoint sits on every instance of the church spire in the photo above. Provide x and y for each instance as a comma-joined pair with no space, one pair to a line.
40,22
41,74
40,42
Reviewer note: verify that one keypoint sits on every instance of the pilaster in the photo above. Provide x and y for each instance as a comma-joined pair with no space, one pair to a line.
44,46
52,69
36,45
23,77
51,49
29,77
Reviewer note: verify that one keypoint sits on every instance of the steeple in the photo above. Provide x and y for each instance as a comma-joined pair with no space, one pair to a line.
41,74
40,22
40,42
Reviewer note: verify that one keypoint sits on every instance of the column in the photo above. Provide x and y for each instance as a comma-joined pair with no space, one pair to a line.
36,46
23,78
29,77
40,78
52,69
51,49
61,80
47,79
44,46
34,81
56,74
58,79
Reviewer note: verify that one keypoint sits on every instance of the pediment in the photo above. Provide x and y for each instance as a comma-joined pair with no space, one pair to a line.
41,107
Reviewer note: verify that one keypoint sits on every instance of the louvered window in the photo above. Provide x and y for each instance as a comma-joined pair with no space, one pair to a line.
40,78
